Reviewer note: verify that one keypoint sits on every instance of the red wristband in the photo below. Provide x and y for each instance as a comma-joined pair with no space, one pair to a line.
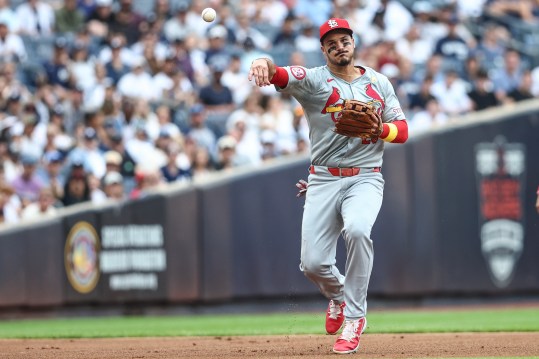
280,78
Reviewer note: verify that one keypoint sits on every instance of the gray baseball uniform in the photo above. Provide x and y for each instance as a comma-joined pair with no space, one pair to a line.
341,204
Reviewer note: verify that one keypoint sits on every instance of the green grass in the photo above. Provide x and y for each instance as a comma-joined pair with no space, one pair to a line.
522,320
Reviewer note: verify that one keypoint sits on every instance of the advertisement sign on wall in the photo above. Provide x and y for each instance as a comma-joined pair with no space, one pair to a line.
500,168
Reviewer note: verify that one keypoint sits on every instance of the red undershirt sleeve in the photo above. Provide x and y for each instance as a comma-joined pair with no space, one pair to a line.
280,78
396,131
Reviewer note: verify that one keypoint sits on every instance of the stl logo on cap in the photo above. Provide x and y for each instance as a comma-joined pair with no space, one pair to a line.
334,24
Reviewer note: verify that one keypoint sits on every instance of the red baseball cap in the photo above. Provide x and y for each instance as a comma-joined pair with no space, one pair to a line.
334,24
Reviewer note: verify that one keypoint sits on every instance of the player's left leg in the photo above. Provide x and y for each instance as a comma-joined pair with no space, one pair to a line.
359,209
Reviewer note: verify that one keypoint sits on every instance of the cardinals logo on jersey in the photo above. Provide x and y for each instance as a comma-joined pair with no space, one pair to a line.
377,100
333,104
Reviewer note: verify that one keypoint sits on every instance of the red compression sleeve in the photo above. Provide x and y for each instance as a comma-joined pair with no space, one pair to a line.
280,78
396,131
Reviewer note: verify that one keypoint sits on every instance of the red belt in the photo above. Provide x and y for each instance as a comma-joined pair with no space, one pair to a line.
347,171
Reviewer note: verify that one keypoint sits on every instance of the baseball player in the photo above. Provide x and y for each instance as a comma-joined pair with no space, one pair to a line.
345,183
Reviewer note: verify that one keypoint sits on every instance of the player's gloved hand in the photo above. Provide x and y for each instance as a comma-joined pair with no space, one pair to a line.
302,187
359,119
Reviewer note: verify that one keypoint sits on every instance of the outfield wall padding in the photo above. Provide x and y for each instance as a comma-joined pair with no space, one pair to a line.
237,235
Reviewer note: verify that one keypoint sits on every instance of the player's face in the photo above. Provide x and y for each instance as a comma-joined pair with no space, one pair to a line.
339,48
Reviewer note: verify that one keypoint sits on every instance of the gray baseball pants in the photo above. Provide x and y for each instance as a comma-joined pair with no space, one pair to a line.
333,205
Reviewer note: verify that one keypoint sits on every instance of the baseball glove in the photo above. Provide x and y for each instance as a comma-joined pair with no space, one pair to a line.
359,119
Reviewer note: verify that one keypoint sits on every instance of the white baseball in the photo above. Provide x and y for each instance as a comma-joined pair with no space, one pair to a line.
208,14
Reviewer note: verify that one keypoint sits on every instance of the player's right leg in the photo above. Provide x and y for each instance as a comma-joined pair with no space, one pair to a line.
320,232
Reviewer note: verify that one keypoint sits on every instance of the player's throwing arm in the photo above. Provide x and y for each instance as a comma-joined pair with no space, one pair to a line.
262,71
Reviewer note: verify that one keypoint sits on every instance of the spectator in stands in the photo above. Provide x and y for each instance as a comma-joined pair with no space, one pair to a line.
433,68
452,47
172,172
287,34
508,77
9,204
77,187
236,81
127,166
472,68
248,149
56,69
491,47
196,24
43,207
161,13
217,45
117,65
100,19
73,109
177,27
152,49
161,144
164,124
426,19
69,18
470,9
199,131
10,166
316,11
523,91
113,161
163,79
273,12
9,16
34,131
35,18
396,19
202,164
277,118
127,21
268,139
429,118
140,146
81,67
51,175
27,185
482,94
147,180
535,82
418,101
88,153
215,96
113,186
226,155
138,83
452,94
96,93
524,10
307,40
11,45
245,30
413,47
97,195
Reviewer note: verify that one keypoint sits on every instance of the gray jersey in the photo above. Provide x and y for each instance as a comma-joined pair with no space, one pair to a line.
321,95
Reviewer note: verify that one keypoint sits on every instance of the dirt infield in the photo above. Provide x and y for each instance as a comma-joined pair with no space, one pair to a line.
301,346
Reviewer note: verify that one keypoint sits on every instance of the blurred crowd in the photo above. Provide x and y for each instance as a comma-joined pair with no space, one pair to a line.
109,99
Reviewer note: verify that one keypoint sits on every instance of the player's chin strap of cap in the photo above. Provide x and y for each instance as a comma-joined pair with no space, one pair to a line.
345,171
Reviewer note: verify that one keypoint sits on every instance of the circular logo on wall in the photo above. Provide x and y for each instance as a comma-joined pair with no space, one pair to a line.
81,257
